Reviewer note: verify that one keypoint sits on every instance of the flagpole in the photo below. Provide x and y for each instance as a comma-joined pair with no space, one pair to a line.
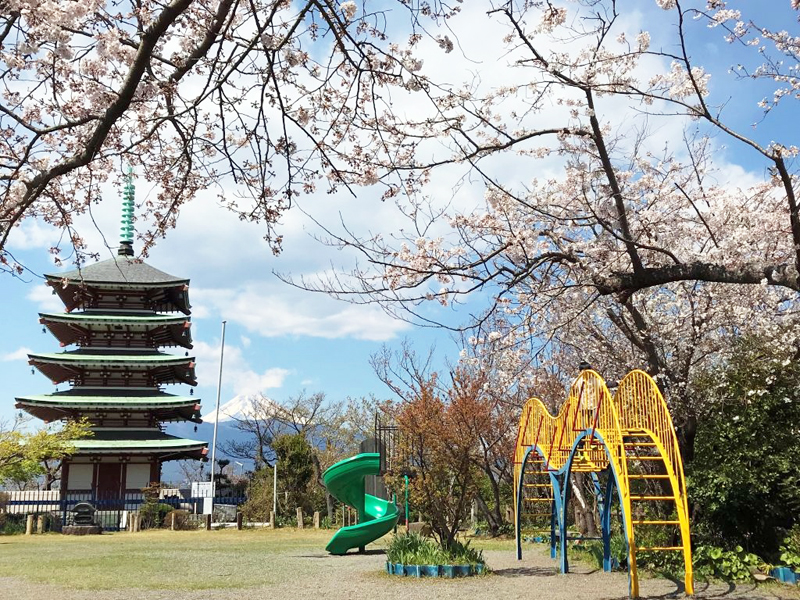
216,417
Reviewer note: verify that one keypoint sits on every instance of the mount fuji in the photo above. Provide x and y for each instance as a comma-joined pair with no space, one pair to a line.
238,407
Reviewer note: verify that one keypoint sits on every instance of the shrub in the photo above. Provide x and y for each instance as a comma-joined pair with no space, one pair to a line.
790,549
183,521
744,481
12,524
413,549
711,562
259,496
153,514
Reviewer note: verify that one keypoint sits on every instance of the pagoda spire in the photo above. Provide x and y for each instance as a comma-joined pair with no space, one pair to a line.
126,232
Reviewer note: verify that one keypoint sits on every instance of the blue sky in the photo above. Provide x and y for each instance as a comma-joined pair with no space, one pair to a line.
281,340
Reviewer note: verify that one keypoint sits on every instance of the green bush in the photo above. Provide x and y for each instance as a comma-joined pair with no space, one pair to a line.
711,562
790,549
12,524
284,521
153,514
744,481
414,549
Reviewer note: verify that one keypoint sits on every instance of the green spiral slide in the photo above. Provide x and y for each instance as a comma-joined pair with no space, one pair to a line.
376,517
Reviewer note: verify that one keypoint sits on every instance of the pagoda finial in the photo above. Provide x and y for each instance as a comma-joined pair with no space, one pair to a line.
126,233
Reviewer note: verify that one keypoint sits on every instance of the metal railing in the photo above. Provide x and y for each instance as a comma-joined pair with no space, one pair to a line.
111,510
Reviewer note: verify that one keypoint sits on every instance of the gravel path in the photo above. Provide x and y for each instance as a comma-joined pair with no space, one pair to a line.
301,574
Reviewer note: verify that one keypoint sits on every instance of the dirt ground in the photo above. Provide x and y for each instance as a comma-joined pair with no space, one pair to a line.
299,574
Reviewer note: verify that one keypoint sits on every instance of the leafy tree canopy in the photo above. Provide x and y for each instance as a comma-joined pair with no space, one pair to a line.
745,479
22,453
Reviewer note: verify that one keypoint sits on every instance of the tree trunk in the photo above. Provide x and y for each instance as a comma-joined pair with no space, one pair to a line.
493,517
687,432
330,507
584,511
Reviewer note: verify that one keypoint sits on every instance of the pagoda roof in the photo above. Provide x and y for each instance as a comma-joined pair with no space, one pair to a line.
51,407
72,328
165,368
120,270
140,441
121,273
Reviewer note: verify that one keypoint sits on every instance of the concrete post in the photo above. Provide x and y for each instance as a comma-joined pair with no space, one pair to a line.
239,519
172,521
299,518
29,525
272,519
208,522
40,524
316,519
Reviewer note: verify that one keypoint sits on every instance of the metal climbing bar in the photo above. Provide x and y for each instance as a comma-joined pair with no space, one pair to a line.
595,433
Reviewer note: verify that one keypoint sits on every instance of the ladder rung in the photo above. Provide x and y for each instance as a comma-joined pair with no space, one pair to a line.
660,548
632,497
648,476
538,499
536,485
656,522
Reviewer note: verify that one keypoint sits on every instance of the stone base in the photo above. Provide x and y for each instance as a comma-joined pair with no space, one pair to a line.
82,530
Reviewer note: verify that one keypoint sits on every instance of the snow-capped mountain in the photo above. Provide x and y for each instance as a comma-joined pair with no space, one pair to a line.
243,405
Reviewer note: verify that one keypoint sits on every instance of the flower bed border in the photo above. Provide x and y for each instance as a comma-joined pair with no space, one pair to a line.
786,575
444,571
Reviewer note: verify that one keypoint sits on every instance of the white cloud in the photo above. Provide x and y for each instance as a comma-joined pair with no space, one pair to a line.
237,372
43,296
276,310
32,234
20,353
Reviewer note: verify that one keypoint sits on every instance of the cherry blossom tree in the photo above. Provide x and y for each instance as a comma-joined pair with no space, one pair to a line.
248,97
641,244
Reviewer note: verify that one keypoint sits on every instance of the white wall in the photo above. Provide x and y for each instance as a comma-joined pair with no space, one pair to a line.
80,476
138,476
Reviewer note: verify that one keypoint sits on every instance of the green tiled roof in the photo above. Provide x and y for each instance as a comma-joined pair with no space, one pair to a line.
148,441
155,318
106,356
108,400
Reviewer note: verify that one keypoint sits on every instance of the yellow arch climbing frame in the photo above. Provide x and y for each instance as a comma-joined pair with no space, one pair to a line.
632,433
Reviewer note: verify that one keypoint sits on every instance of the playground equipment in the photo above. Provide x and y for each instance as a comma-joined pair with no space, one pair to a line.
376,517
629,440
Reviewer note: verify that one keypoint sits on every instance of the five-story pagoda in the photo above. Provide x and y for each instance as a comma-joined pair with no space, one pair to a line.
125,311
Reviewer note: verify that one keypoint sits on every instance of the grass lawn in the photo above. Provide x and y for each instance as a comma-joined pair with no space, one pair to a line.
175,560
186,560
288,563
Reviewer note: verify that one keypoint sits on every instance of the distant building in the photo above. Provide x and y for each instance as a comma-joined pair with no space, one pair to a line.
125,310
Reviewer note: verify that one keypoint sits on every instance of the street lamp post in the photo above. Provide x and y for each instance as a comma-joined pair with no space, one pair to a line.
216,416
